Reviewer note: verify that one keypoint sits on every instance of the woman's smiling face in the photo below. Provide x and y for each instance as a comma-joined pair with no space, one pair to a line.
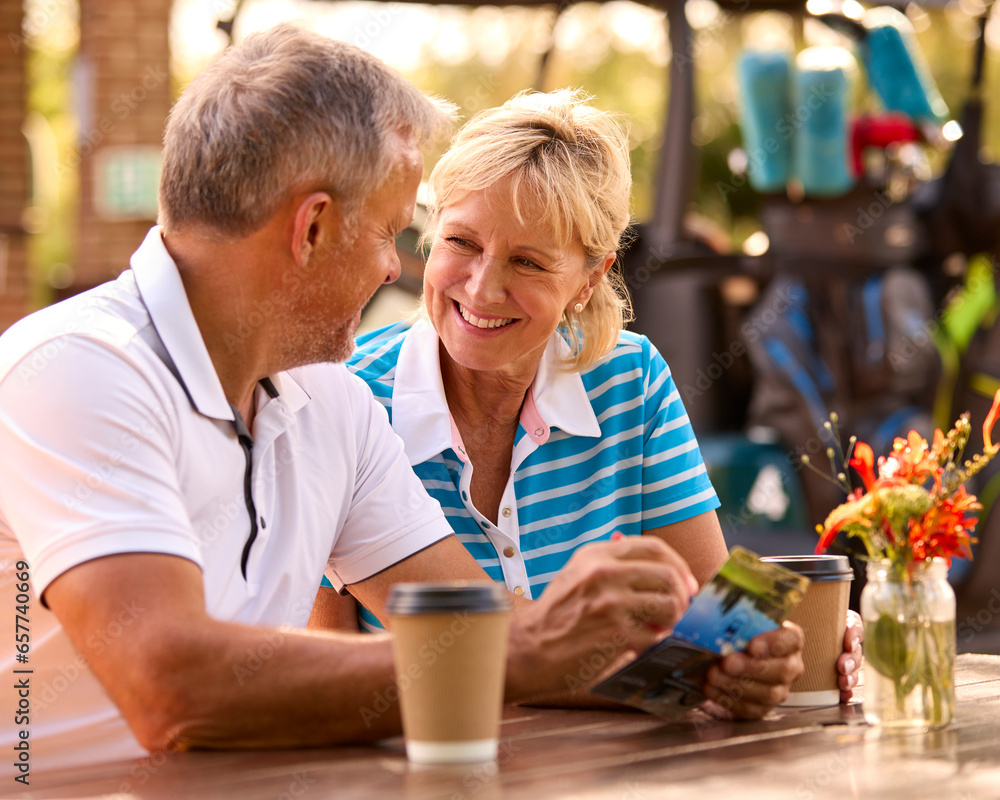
495,288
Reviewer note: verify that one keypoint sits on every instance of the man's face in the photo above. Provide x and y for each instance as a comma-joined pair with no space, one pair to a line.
345,271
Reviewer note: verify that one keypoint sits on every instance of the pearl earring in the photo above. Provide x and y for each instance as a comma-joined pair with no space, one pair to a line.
578,308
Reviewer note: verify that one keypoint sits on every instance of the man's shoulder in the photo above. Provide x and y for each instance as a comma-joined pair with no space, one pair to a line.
111,314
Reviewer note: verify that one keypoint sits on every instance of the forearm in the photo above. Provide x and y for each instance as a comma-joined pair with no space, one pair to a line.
232,687
618,595
585,626
184,679
332,611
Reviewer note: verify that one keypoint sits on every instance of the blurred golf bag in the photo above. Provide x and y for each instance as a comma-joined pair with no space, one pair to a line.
858,296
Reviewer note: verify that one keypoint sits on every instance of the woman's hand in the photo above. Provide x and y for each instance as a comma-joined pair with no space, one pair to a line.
748,685
849,661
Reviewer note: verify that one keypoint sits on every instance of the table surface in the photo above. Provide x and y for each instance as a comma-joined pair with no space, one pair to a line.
551,753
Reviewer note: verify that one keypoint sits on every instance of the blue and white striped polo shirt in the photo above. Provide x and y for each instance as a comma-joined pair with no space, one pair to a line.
610,449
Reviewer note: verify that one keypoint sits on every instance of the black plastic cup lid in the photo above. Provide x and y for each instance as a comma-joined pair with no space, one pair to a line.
431,598
817,568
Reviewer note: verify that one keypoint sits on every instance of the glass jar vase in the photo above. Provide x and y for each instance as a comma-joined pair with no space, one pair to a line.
909,647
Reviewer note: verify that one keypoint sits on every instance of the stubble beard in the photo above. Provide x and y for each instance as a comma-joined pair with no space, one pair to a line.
310,339
314,341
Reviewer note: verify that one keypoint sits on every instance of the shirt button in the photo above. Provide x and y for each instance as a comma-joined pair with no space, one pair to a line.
519,591
506,512
509,552
539,431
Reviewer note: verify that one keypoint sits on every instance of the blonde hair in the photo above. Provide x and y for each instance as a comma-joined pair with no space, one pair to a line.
570,161
283,109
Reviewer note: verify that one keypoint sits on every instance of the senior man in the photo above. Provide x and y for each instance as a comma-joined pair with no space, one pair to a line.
180,462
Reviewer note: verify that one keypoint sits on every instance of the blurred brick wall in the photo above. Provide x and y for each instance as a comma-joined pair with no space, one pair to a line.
14,166
124,96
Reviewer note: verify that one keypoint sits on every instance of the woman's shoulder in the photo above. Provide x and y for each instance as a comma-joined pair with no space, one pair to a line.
633,368
632,350
633,342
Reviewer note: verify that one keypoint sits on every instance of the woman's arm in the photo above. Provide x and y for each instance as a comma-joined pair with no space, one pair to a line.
699,542
333,611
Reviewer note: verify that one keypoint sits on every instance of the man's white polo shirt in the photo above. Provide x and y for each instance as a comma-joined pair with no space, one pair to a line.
116,437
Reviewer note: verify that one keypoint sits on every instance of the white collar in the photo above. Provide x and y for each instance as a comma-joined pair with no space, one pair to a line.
166,301
420,413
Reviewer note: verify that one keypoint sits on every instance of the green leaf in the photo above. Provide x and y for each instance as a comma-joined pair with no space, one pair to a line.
885,648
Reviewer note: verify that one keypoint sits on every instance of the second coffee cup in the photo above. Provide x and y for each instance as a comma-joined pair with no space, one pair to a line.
822,615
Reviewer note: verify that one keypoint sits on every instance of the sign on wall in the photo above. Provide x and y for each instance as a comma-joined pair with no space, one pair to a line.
126,181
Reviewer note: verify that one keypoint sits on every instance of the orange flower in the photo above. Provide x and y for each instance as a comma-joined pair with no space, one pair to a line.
945,531
914,461
938,440
990,421
864,462
900,514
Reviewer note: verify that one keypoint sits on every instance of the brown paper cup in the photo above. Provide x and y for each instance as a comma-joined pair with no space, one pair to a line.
450,649
822,615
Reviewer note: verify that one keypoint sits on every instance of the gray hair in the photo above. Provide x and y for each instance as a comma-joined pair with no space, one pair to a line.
283,111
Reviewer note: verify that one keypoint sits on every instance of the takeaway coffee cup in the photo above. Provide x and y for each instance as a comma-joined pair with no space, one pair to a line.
822,615
450,649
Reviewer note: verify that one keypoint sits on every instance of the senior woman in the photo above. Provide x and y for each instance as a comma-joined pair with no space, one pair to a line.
537,422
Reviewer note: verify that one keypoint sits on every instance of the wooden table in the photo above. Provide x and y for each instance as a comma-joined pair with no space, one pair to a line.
550,753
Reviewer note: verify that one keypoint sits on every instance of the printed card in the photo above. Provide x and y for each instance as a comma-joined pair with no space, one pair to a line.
746,597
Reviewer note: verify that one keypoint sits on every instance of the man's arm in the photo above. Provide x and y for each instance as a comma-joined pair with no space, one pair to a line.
611,599
183,679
